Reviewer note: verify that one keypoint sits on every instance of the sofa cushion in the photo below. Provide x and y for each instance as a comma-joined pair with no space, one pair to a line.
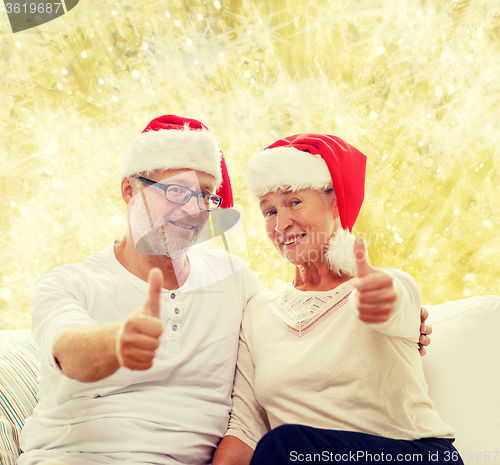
462,369
18,395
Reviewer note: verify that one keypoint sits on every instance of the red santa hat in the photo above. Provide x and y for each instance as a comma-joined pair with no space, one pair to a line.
173,142
316,161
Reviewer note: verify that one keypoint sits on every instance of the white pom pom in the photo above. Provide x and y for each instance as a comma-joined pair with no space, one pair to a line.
340,253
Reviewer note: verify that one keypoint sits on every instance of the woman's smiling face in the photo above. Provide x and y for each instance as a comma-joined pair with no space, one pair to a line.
300,223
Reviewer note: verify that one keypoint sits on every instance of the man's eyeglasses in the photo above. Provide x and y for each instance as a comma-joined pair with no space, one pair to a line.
181,195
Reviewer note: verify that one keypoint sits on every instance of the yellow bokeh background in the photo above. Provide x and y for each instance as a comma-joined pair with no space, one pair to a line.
413,84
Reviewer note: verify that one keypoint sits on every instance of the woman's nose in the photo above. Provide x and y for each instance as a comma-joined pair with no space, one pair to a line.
283,222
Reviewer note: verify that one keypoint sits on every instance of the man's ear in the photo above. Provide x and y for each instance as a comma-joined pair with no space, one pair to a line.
128,189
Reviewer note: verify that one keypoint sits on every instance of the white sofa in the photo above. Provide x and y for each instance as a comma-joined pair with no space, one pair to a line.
462,368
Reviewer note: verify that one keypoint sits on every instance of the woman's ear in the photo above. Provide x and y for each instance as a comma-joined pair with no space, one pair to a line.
336,213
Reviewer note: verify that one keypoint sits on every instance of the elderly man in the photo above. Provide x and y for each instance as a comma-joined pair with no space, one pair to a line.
122,381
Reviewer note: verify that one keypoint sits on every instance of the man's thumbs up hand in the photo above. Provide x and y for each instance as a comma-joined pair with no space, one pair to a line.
152,304
139,335
376,294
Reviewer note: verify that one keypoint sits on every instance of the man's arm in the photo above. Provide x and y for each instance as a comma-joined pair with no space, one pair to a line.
87,354
94,353
425,332
232,451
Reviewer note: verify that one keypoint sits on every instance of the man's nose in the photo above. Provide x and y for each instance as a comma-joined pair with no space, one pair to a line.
191,207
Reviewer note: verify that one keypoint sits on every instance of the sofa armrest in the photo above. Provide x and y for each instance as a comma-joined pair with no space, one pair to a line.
462,370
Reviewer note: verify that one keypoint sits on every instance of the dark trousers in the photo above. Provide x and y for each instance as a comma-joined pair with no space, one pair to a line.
296,444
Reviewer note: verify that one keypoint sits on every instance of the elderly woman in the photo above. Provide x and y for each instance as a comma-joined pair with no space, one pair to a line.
328,367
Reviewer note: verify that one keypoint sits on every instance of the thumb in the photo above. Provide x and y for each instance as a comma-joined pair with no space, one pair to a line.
152,304
362,266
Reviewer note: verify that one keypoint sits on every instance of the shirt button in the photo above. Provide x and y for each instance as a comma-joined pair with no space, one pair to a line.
174,327
172,296
177,311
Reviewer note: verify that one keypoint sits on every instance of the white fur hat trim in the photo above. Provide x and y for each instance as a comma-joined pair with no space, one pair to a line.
167,149
286,168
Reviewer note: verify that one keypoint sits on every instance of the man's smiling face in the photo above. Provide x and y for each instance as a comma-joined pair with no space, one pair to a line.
161,227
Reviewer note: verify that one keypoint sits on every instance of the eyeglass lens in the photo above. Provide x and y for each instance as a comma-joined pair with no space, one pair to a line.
181,195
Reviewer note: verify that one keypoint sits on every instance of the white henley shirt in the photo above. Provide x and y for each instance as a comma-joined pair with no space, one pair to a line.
175,412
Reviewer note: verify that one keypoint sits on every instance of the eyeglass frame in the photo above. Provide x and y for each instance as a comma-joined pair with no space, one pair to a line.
164,188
